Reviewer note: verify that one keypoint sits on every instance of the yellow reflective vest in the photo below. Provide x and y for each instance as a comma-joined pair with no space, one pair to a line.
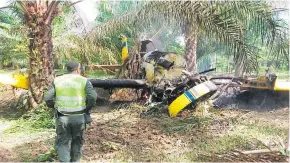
70,96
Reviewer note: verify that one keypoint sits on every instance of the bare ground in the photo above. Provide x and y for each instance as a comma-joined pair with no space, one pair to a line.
122,136
117,133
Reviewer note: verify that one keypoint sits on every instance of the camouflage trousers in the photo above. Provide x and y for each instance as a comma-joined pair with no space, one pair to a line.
69,139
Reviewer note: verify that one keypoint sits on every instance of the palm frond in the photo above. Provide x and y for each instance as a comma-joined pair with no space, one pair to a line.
225,21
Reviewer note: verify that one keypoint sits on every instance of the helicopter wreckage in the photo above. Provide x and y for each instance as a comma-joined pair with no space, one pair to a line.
186,90
183,91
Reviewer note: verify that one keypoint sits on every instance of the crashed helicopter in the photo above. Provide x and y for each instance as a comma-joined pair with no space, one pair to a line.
187,89
176,93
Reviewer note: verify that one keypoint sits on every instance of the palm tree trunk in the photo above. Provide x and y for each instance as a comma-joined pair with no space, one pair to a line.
239,71
135,63
228,65
38,17
41,64
190,47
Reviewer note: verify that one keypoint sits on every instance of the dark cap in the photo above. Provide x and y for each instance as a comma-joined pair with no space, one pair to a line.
72,65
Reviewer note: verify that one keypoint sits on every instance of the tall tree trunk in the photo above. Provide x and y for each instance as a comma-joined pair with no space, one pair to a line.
190,47
135,64
41,71
239,71
228,65
38,17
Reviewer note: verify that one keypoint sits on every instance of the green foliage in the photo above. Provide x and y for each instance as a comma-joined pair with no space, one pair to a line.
59,23
168,38
212,54
106,12
111,43
259,128
70,45
175,47
227,23
13,45
49,156
40,118
98,74
221,144
182,125
285,152
88,52
246,30
37,119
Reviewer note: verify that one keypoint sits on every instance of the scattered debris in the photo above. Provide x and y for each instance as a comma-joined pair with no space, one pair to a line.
263,155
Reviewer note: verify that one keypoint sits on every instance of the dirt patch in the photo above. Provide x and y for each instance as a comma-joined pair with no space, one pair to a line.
26,152
121,135
125,132
6,99
9,100
12,140
5,155
118,133
237,156
279,118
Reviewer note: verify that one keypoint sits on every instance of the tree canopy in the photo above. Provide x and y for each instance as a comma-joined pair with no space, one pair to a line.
241,29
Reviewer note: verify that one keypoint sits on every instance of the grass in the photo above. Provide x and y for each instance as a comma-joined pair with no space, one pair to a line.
283,75
203,142
99,74
5,72
242,135
49,156
30,135
33,121
201,136
204,146
183,125
36,151
259,130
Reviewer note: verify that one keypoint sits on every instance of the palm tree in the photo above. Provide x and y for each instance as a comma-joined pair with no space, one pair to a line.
38,16
13,45
227,22
123,21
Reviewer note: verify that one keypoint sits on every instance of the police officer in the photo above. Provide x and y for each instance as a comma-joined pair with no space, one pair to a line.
72,95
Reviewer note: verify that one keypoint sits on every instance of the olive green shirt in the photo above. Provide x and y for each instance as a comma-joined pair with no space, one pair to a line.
91,96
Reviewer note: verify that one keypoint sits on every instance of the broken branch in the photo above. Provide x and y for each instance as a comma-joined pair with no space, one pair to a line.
260,151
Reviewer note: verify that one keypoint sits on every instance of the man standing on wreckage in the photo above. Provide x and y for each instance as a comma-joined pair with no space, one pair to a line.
72,96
